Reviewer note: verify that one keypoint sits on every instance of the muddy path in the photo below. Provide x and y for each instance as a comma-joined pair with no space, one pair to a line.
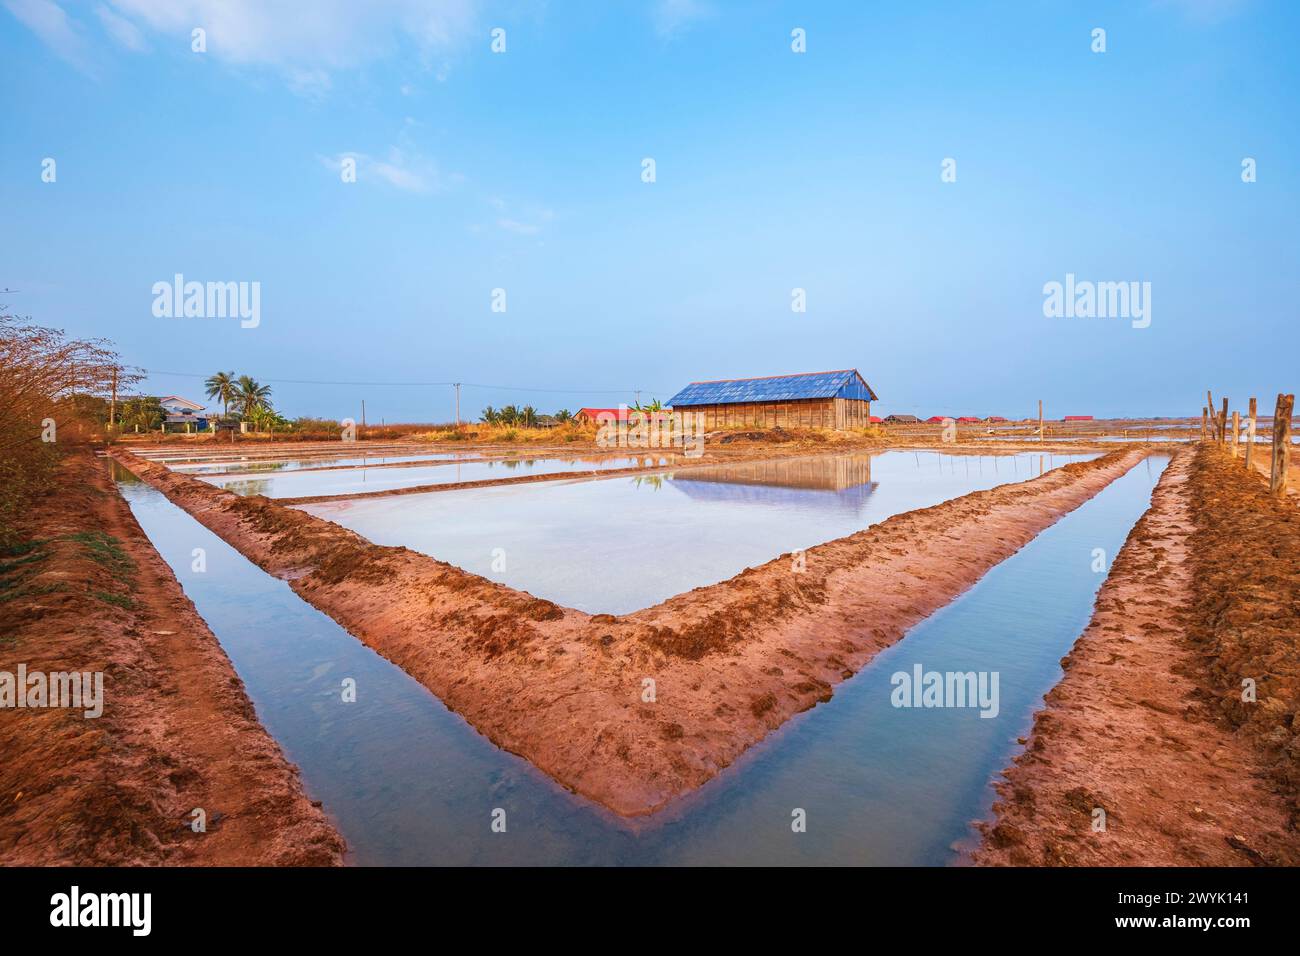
90,593
633,711
1148,726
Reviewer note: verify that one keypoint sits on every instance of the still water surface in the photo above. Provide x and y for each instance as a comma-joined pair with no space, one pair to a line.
409,782
351,481
621,544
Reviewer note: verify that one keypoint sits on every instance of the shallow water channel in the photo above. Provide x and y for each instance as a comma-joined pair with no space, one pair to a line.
409,782
621,544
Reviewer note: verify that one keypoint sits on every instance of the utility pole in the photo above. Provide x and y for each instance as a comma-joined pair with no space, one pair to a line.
457,385
1040,419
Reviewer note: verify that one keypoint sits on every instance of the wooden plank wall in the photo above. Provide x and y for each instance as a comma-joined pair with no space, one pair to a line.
804,413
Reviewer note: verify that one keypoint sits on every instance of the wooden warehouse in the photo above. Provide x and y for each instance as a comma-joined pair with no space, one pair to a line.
839,399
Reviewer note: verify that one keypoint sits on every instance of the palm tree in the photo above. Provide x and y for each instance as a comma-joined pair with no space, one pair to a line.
509,415
250,395
222,387
490,415
563,415
528,416
263,418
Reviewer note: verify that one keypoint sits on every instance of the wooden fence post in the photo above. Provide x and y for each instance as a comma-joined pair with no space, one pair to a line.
1281,444
1223,423
1236,432
1205,422
1209,403
1250,435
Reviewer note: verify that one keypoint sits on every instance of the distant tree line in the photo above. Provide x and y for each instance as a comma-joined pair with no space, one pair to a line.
526,417
250,399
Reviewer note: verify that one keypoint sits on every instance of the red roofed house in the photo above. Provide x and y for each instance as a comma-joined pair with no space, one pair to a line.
591,416
936,419
968,419
1077,418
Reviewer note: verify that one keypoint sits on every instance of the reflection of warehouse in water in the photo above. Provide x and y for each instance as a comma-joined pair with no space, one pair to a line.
842,479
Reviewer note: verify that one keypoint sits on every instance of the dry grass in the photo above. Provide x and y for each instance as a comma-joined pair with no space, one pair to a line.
49,387
508,434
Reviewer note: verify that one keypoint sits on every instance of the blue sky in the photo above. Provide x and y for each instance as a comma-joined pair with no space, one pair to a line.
775,170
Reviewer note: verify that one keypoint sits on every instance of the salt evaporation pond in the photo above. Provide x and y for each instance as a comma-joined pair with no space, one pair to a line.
253,465
408,782
620,544
351,481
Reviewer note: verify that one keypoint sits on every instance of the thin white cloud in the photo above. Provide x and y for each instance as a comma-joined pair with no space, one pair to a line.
401,169
671,17
526,222
304,43
60,33
121,29
329,34
519,228
309,83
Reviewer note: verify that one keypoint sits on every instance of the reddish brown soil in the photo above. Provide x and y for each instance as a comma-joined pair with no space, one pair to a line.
1246,612
1261,461
1147,723
730,662
177,731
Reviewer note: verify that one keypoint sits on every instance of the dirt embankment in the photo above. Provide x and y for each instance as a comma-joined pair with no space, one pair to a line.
1148,724
1245,620
88,592
633,711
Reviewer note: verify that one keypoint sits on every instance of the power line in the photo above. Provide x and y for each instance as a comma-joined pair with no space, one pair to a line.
508,388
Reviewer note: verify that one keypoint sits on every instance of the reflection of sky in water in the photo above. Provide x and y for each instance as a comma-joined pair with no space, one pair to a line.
296,464
409,783
350,481
620,544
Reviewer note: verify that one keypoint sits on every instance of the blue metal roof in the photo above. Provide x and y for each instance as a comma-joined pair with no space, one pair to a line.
845,383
